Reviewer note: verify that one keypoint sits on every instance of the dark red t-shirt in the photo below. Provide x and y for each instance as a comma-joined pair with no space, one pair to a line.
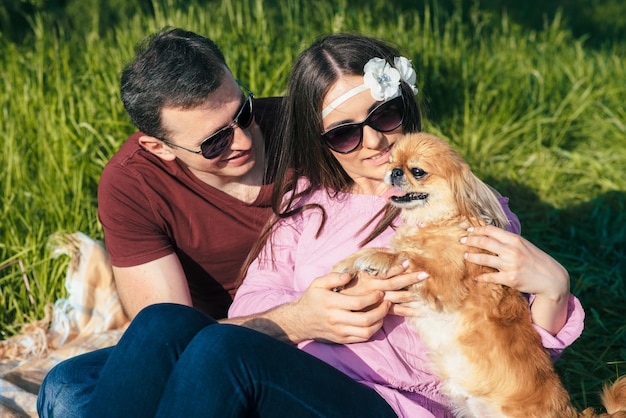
150,208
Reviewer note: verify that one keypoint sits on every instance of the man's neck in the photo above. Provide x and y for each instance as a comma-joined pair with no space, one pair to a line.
245,188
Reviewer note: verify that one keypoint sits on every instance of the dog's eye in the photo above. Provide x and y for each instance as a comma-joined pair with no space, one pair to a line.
418,173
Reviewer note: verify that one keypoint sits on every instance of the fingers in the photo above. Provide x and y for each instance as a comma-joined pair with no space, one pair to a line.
484,242
503,278
348,326
518,263
403,310
325,294
365,319
395,270
400,296
363,283
505,249
402,281
483,259
356,303
332,281
506,262
347,318
493,232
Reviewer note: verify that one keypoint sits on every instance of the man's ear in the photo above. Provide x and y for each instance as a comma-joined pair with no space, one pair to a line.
156,147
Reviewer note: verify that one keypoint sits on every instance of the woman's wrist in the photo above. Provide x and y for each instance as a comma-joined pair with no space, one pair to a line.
550,312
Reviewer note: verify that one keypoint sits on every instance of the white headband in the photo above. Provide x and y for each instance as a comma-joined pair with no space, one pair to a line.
382,79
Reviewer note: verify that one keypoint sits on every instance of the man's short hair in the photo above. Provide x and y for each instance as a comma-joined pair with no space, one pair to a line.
171,68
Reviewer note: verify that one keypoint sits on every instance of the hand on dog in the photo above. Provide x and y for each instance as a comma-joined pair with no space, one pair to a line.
394,282
331,316
523,266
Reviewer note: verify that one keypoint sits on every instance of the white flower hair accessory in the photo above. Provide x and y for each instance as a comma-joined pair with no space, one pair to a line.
381,79
407,73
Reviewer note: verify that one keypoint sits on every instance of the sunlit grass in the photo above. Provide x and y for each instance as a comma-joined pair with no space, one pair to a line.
536,113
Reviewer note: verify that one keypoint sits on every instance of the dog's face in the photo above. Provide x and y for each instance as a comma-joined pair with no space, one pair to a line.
431,182
420,171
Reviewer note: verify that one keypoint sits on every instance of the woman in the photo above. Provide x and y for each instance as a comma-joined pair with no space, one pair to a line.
359,127
350,98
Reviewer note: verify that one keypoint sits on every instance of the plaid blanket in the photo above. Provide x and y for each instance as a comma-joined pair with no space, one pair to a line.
91,317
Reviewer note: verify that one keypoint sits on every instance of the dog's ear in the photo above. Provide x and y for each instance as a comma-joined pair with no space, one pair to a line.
478,200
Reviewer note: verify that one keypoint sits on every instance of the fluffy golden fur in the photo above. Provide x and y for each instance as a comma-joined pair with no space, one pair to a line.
481,341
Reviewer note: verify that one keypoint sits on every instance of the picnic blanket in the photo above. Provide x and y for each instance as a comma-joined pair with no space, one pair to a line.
90,317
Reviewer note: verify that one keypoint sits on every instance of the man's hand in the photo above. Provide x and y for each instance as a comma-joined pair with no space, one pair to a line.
351,315
395,283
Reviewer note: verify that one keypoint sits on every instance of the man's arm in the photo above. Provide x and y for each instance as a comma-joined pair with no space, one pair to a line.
322,314
161,280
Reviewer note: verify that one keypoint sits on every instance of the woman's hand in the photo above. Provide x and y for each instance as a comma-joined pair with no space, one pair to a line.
340,309
523,266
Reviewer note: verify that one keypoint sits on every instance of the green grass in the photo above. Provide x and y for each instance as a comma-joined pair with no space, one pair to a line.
538,113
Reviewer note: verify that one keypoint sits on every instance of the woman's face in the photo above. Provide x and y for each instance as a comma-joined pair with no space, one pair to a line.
367,164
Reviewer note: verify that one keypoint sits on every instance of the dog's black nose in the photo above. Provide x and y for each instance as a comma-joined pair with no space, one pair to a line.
396,173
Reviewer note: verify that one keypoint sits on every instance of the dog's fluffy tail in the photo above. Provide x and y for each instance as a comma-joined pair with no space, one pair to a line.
614,397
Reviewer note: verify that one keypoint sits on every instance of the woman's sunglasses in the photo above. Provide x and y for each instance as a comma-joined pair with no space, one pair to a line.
214,145
385,118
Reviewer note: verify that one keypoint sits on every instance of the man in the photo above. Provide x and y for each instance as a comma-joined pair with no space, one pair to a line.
183,201
177,225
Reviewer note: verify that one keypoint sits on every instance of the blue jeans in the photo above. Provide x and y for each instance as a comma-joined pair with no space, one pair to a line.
176,361
68,387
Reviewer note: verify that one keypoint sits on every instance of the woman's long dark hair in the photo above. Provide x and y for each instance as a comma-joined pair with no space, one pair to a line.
301,152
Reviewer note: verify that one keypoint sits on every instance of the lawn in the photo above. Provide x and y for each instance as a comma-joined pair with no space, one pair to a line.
537,110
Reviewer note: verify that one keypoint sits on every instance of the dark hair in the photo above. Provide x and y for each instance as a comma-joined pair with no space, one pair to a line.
172,67
312,75
301,151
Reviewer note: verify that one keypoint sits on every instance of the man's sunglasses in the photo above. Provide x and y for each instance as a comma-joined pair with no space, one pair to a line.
387,117
214,145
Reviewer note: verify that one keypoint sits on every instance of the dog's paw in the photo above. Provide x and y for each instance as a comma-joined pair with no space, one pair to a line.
372,261
375,263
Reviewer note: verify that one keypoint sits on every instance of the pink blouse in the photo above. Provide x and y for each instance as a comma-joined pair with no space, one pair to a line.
393,361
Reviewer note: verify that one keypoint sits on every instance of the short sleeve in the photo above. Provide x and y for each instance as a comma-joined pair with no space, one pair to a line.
132,235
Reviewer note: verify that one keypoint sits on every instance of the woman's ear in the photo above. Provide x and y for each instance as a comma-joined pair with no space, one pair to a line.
156,147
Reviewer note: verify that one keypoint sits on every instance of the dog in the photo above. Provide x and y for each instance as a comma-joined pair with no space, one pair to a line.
480,337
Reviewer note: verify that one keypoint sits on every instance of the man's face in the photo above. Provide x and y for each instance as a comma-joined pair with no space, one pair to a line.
189,127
